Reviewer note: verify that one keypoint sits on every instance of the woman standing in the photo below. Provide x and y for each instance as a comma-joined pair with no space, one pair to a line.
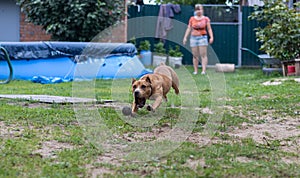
199,26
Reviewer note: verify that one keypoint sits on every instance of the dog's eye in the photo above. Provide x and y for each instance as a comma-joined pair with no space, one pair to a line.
134,86
143,86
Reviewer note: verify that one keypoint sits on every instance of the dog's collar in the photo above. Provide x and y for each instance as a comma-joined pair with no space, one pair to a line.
151,90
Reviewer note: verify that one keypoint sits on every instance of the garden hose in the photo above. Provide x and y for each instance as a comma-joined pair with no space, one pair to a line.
6,56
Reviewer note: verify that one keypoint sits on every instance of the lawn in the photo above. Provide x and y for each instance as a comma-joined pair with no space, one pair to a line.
221,125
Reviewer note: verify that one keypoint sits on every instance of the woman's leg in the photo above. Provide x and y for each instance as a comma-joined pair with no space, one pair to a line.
204,60
195,52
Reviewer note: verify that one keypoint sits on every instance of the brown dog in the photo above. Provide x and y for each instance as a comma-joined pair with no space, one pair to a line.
154,87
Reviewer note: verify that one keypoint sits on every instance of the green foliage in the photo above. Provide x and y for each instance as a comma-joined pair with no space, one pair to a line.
76,20
132,40
144,45
281,36
175,52
159,48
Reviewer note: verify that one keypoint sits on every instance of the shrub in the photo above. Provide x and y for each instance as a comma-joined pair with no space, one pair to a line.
175,52
133,41
144,45
73,20
281,36
159,48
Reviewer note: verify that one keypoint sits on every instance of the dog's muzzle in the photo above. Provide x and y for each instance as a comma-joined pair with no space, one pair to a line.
139,101
136,94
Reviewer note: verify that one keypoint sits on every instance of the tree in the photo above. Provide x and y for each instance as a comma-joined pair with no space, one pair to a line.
73,20
281,36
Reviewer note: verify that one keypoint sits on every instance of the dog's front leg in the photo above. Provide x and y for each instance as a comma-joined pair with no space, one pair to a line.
134,108
156,103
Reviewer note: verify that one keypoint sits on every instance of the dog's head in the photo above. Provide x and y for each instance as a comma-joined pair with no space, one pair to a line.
141,90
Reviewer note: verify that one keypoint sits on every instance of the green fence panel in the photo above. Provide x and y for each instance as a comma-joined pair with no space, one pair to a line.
249,38
225,24
226,42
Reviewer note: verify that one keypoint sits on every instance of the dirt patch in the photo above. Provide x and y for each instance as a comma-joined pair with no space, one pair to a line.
202,139
106,159
195,163
278,81
243,159
109,160
272,129
26,104
99,172
285,131
147,136
49,149
10,131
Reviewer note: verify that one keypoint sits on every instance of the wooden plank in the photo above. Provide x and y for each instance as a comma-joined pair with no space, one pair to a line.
50,98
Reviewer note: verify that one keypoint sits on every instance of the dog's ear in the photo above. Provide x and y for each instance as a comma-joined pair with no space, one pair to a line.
133,80
148,80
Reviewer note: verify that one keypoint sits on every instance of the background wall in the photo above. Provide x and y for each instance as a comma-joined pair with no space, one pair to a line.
9,21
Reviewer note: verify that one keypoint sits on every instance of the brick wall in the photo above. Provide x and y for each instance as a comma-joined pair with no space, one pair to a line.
114,34
31,32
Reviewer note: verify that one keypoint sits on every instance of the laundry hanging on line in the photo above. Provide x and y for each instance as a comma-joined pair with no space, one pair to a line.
164,20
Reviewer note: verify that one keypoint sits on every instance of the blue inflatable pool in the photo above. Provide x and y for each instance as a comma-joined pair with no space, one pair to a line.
70,60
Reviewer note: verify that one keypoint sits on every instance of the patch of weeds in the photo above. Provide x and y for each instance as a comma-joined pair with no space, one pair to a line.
259,121
223,136
173,99
186,150
231,121
16,158
114,122
267,134
170,117
69,134
28,87
28,133
70,162
200,124
220,160
273,144
37,115
175,171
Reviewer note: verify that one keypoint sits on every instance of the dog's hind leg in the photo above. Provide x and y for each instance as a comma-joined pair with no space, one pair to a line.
175,87
165,98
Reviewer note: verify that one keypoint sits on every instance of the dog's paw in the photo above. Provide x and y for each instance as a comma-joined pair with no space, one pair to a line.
133,114
149,108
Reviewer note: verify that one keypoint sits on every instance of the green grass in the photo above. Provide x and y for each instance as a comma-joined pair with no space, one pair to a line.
241,102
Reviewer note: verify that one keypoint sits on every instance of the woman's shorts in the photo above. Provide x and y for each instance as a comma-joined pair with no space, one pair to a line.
198,41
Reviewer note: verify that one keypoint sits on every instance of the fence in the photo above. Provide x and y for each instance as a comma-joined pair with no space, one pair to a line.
231,27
